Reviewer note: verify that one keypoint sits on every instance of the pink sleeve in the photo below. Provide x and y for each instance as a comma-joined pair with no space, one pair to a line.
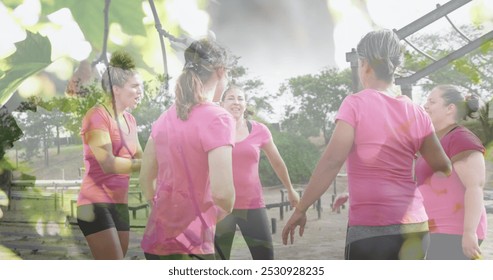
95,119
347,111
220,132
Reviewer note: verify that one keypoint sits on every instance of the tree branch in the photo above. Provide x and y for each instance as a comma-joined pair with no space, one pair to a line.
104,57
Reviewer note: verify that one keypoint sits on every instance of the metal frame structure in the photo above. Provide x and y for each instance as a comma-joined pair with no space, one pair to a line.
441,11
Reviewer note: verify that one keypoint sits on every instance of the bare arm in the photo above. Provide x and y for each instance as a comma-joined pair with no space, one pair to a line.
148,172
221,179
100,143
329,164
277,163
325,172
470,168
139,152
433,153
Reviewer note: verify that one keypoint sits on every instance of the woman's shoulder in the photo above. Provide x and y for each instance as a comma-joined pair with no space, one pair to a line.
462,136
465,133
97,110
259,125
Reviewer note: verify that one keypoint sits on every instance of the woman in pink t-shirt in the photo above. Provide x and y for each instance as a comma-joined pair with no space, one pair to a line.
187,173
379,136
249,211
455,206
111,152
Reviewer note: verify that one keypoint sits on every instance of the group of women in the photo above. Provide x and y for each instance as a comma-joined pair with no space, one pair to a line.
199,169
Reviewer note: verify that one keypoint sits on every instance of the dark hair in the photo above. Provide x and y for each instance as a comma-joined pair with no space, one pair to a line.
248,112
120,68
383,52
466,106
202,58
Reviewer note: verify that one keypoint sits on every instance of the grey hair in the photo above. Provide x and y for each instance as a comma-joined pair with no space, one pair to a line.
383,52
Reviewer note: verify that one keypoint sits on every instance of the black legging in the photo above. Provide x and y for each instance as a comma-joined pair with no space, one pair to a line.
254,226
410,246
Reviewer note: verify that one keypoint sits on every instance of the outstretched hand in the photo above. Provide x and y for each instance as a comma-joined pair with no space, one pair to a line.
297,219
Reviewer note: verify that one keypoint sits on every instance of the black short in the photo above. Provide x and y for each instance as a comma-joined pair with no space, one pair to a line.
97,217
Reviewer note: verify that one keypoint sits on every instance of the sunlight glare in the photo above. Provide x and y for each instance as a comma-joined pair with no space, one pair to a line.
52,228
66,37
39,227
346,17
482,13
62,68
28,12
193,20
11,32
117,36
30,87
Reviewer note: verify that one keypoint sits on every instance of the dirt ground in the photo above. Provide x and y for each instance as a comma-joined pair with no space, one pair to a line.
323,238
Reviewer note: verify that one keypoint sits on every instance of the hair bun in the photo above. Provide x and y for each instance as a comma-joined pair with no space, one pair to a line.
472,103
123,60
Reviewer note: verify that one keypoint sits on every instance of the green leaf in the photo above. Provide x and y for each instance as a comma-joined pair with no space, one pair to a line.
32,55
12,3
89,14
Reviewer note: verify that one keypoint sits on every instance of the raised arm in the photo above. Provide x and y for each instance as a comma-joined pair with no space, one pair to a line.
221,179
277,163
433,153
148,172
470,167
100,143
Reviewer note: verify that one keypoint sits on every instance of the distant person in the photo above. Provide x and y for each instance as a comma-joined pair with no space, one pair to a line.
111,153
249,211
455,206
379,135
187,173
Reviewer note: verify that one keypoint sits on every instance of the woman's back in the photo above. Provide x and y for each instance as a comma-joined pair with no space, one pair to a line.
182,186
388,134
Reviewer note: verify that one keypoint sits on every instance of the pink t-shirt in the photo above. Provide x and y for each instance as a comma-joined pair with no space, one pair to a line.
246,157
182,184
97,186
388,134
444,197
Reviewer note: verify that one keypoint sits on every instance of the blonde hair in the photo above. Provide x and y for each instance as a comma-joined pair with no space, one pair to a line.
202,58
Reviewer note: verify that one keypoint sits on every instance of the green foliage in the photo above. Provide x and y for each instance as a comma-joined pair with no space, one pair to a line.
68,112
89,16
472,73
122,59
299,154
316,100
155,100
32,55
